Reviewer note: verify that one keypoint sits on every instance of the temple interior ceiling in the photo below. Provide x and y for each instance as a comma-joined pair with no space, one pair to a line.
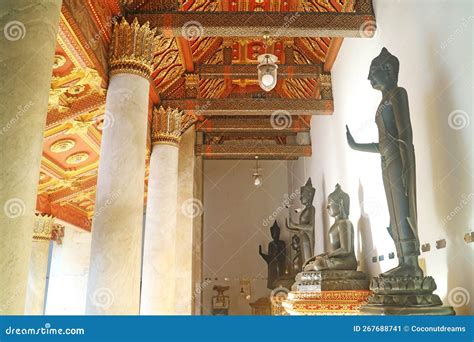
203,69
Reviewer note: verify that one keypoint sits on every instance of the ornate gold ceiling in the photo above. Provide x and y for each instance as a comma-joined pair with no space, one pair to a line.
76,112
207,75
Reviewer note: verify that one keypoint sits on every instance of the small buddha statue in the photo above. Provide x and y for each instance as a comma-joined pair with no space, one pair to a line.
276,257
341,255
297,262
305,227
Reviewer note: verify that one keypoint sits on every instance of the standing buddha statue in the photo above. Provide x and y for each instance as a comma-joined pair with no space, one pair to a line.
403,289
397,153
305,227
276,257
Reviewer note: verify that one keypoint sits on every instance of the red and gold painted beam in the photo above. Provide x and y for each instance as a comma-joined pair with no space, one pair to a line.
185,53
249,71
254,24
334,47
252,106
252,124
249,151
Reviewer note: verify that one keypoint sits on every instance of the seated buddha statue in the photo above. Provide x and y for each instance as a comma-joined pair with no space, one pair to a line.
341,255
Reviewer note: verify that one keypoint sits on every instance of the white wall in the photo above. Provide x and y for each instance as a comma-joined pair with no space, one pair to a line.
68,273
433,41
234,212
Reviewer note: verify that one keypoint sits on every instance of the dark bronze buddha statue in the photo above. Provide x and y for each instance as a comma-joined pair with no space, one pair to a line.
297,262
276,257
395,146
305,226
403,289
341,254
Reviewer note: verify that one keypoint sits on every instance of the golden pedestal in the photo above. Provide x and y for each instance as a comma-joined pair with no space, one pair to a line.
325,302
277,308
277,297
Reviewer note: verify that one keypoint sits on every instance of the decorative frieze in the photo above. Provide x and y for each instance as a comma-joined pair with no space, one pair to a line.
132,49
233,106
260,124
249,71
250,150
249,24
192,85
325,86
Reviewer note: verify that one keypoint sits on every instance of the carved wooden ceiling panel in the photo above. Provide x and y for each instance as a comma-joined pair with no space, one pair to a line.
208,50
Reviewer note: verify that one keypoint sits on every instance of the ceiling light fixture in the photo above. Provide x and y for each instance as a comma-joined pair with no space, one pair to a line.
267,68
257,174
267,71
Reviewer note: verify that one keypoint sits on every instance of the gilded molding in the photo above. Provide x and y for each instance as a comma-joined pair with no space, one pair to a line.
325,86
247,150
191,84
132,49
229,24
242,124
240,106
326,302
62,145
169,124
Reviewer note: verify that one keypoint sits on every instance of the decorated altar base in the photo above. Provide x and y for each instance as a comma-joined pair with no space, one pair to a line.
277,307
325,302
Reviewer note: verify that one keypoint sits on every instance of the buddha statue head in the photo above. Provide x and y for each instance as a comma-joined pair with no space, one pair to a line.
338,203
383,74
275,231
307,193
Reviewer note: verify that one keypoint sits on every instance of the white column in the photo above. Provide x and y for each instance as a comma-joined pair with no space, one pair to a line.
28,31
114,279
160,256
45,230
189,208
68,273
198,284
36,290
159,267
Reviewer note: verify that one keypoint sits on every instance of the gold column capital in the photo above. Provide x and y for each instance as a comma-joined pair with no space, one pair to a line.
168,124
132,49
46,229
